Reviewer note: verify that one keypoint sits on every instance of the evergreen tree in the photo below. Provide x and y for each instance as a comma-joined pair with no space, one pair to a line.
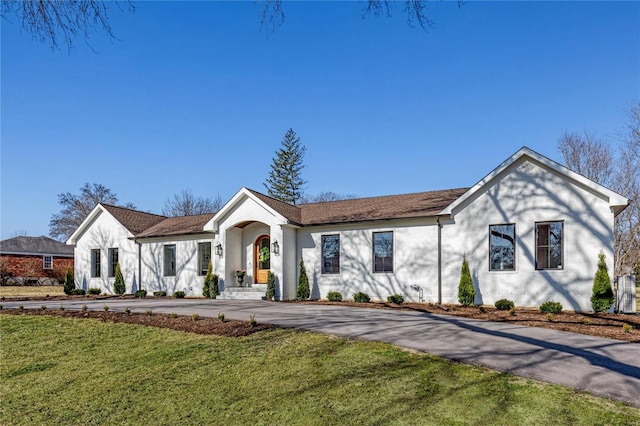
214,289
210,287
466,292
118,284
271,286
602,296
284,182
69,282
303,291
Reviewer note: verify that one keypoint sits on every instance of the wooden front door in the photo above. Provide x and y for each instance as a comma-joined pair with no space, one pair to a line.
262,258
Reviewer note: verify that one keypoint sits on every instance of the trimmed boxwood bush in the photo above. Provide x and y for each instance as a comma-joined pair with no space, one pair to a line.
77,292
94,290
551,307
161,293
505,304
334,296
179,294
140,293
395,298
361,297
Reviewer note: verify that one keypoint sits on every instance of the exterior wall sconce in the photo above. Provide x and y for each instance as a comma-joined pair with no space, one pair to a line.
219,250
275,247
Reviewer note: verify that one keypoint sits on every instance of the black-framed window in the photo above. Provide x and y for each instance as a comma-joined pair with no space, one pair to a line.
331,254
204,257
383,251
113,261
47,262
549,242
502,247
170,260
95,263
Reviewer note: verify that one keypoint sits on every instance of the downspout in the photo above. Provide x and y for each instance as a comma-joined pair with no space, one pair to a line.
139,263
439,260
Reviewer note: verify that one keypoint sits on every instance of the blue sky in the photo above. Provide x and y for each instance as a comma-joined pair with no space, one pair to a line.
194,95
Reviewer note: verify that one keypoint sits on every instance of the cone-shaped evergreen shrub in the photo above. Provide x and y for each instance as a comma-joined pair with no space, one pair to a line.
466,292
69,282
602,296
207,290
271,286
118,284
303,292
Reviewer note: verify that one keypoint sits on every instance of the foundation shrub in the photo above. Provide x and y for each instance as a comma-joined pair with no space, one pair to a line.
361,297
94,290
395,298
334,296
179,294
551,307
504,304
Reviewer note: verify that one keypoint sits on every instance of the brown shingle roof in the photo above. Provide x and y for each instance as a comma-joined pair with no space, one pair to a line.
402,206
135,221
289,211
181,225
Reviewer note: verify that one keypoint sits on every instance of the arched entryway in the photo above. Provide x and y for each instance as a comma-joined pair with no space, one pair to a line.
262,258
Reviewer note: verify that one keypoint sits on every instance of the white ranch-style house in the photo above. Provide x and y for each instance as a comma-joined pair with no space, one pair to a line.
531,231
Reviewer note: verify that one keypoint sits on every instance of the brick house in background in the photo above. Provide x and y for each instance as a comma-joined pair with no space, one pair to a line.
34,260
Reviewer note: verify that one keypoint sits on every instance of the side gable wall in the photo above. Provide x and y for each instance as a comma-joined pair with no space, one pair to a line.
103,233
526,193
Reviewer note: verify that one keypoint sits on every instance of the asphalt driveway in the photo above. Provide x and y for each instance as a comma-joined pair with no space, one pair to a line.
604,367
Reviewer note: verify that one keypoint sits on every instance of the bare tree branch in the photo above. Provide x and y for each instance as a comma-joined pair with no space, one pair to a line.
56,22
184,203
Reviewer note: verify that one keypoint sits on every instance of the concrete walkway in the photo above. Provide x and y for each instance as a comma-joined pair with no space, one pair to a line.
604,367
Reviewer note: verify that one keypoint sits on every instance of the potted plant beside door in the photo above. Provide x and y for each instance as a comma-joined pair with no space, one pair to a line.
240,273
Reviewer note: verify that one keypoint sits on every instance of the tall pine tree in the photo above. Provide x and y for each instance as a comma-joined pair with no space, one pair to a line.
284,182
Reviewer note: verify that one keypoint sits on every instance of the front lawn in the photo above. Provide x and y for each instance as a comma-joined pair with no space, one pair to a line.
86,371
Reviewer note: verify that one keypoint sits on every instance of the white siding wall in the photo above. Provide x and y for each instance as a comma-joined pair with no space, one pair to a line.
104,233
186,278
525,194
415,260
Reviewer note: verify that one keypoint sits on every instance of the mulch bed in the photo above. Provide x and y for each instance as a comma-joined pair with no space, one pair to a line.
601,324
228,328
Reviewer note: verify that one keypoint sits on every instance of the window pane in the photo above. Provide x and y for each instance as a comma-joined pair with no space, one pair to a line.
383,252
95,263
113,261
204,256
264,248
331,254
502,247
170,260
47,262
549,245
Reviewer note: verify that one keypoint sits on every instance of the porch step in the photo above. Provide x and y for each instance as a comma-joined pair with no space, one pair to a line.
255,292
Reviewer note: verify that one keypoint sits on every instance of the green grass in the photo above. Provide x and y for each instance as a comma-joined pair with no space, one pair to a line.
31,291
71,371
